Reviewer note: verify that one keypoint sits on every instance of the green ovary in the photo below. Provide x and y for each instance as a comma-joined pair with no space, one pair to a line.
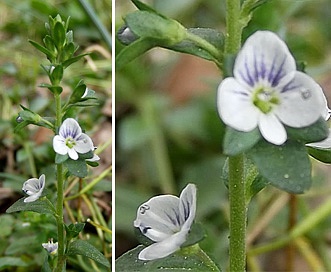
70,142
265,99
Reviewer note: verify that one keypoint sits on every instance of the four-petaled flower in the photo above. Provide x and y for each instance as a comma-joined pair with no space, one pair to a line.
34,188
268,92
166,220
71,140
51,247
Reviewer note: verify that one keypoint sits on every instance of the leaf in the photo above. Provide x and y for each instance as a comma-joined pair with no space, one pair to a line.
80,247
41,205
323,155
74,229
133,51
191,258
60,158
236,142
286,167
42,49
77,168
59,35
189,47
313,133
73,60
146,24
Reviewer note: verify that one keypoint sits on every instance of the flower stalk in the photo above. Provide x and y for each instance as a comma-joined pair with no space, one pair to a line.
60,195
237,248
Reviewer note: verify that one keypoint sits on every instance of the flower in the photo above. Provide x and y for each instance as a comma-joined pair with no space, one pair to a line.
267,92
51,247
34,188
166,220
71,140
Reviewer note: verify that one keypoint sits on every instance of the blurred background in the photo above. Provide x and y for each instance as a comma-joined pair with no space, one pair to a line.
29,152
168,132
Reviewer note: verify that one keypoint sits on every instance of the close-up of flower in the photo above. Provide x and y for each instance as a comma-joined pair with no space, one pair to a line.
266,91
51,247
34,188
71,140
166,220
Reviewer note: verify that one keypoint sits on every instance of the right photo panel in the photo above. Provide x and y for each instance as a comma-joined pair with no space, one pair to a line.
222,135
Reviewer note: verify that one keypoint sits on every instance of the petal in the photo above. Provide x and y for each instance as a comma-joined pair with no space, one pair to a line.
59,145
72,154
235,106
70,128
164,248
272,129
33,197
263,57
159,218
42,182
31,186
187,205
302,101
325,144
84,144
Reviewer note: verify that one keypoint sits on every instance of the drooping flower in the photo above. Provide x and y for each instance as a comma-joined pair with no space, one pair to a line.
71,140
166,220
51,247
268,92
34,188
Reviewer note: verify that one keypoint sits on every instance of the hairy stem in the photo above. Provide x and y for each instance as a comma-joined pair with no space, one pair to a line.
60,195
238,215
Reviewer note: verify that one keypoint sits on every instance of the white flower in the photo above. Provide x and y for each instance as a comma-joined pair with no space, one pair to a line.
34,188
166,220
267,92
51,247
71,140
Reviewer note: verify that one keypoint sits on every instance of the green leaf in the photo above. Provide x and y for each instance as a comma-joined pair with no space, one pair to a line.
41,205
313,133
133,51
190,258
286,167
49,43
142,6
57,74
255,186
72,60
77,168
59,35
60,158
323,155
236,142
80,247
147,24
42,49
73,230
212,36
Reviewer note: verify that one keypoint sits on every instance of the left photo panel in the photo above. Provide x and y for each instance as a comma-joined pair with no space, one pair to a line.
56,135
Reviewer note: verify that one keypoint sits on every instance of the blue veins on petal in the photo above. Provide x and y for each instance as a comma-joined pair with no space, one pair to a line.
166,220
33,188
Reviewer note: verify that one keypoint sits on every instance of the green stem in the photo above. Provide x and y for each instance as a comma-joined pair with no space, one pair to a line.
60,195
238,215
234,27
